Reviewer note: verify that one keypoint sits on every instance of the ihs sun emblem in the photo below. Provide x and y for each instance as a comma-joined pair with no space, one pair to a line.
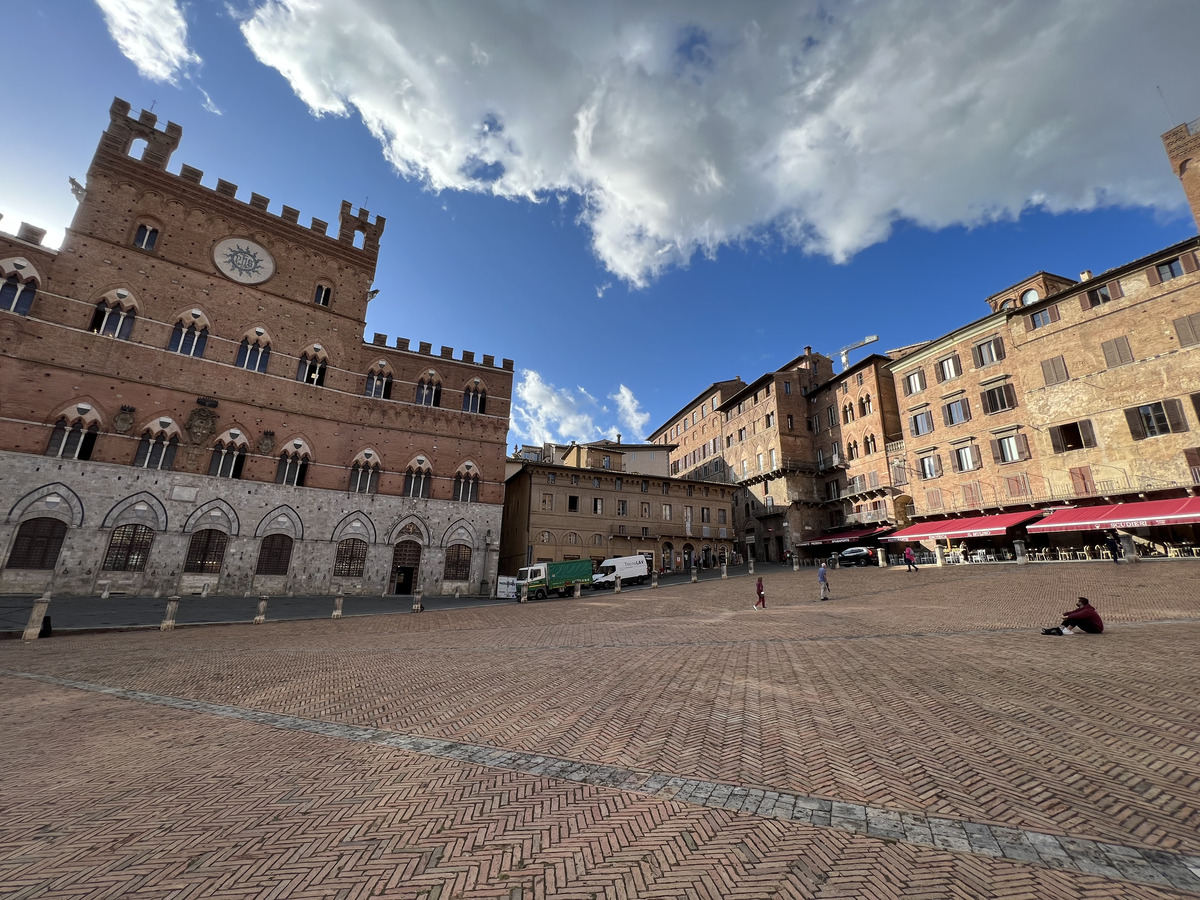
242,261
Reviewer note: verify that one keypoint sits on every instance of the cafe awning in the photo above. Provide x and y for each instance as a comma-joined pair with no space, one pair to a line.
975,526
1122,515
845,537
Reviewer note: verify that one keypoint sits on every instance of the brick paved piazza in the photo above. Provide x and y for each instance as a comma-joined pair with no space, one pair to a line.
915,737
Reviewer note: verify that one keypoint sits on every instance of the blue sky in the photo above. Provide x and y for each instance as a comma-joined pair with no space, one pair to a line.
633,200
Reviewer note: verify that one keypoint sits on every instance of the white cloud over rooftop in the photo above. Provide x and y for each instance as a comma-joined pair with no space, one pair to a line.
152,34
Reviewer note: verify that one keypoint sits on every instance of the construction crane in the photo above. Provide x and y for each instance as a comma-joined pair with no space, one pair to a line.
844,353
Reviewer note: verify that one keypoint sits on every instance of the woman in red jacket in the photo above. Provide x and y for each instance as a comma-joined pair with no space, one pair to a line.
1083,619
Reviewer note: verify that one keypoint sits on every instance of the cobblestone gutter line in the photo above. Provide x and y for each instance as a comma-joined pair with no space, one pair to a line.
1115,861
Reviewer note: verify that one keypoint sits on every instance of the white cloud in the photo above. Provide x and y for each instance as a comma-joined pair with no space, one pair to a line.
630,414
152,34
685,126
542,412
208,102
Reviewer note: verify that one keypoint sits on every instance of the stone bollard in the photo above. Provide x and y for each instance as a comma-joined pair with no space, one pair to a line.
578,588
939,557
616,584
654,579
524,596
1019,552
724,570
1128,550
33,630
204,588
882,554
337,606
262,609
751,564
418,606
168,622
106,590
695,575
795,563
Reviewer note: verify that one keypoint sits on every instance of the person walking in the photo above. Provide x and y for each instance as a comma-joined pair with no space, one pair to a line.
1114,546
823,582
910,559
761,602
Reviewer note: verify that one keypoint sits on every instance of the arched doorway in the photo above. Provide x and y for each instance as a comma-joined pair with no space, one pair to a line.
406,567
689,557
668,556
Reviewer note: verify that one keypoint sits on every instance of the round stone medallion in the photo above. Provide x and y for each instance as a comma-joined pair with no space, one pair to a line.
243,261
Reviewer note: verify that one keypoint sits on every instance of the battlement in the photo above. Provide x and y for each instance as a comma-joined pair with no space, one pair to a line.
426,349
124,131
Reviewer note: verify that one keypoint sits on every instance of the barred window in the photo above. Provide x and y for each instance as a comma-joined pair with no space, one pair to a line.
275,555
73,441
37,544
188,341
351,559
156,452
458,563
206,552
128,549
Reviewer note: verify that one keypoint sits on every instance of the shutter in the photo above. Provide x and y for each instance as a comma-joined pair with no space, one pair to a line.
1175,417
1054,316
1111,356
1010,394
1123,350
998,347
1134,419
996,452
1048,373
946,416
1087,434
1029,326
1114,290
921,378
1085,302
966,409
937,464
954,466
1152,276
1196,404
976,456
976,357
1056,441
1185,327
1023,447
1188,260
957,363
1192,457
937,372
1060,368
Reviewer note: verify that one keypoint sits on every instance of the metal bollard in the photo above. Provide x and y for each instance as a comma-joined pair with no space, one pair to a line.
751,564
724,570
34,629
578,588
337,606
617,584
654,579
695,576
168,622
418,606
262,609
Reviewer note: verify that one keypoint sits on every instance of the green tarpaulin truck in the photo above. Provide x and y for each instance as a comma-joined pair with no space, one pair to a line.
545,577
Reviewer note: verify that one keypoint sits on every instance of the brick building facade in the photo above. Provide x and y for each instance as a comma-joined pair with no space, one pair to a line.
189,404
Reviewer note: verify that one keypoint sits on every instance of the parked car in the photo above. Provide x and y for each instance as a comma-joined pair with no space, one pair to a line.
858,556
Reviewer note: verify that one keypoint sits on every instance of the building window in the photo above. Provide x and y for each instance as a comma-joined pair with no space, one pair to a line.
323,295
957,412
921,423
418,482
595,482
113,320
1168,270
351,558
253,357
914,382
458,563
145,238
72,442
206,552
37,544
998,399
865,406
1117,352
189,341
1017,485
645,486
832,490
292,469
1054,371
1072,436
1103,294
1154,419
706,515
666,512
988,352
1188,329
966,459
466,488
598,506
573,503
227,460
274,555
429,392
1042,318
1029,296
831,415
618,484
899,472
622,508
474,400
156,451
128,549
790,420
645,510
364,478
311,370
948,368
606,462
933,498
930,466
16,297
379,385
770,420
666,487
1010,448
551,476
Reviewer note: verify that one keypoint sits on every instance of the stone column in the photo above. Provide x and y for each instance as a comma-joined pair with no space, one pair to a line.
578,589
1019,552
616,584
33,630
168,622
882,555
750,562
695,576
654,579
262,609
337,606
939,556
524,598
724,570
417,596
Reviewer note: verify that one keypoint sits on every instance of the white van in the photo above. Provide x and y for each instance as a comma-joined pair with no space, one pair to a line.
632,569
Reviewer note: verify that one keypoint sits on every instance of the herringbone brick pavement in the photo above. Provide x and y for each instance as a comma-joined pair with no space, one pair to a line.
917,694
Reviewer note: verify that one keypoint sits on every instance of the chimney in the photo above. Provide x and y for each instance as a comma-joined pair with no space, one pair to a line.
1085,275
618,437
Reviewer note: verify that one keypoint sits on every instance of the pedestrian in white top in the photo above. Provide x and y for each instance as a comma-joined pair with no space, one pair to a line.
823,581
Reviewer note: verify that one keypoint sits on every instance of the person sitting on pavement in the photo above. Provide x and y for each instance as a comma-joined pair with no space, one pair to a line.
1083,619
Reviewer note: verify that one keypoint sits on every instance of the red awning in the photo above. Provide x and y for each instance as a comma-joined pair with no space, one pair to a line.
843,537
975,526
1122,515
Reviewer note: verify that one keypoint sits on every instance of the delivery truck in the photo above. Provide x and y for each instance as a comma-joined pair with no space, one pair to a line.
632,569
544,577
